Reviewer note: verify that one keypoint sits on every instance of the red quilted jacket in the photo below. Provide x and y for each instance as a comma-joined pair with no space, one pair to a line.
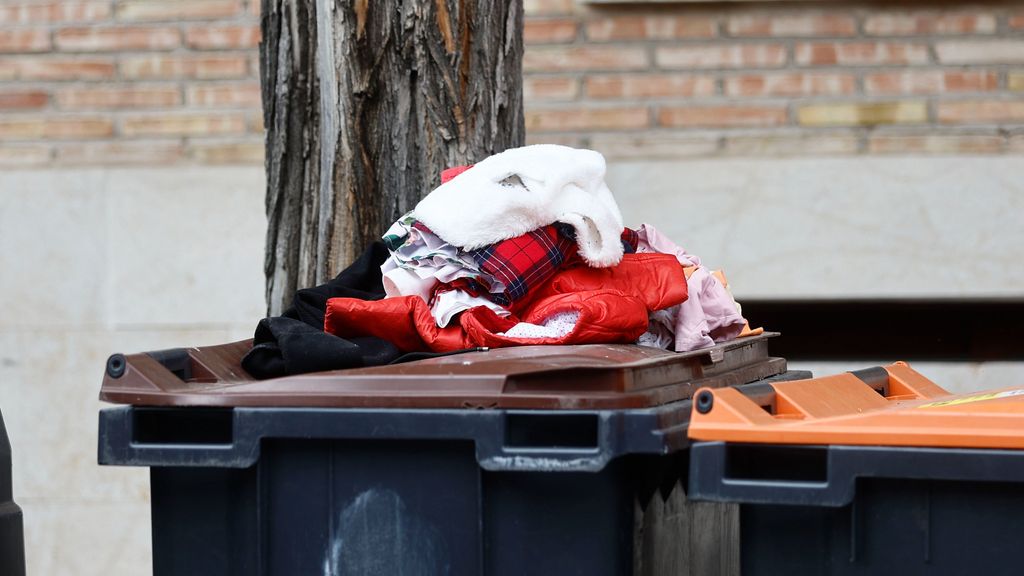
613,304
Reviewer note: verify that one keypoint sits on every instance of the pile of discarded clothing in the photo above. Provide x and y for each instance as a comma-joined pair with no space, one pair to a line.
526,247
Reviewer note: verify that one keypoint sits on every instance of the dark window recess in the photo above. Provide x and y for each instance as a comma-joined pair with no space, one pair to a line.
551,430
941,330
182,426
756,462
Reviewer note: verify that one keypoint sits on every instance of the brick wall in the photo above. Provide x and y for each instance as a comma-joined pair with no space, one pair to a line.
149,82
780,78
162,81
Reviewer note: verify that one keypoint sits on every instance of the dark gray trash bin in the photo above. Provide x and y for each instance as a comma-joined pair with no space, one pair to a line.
877,471
12,540
542,460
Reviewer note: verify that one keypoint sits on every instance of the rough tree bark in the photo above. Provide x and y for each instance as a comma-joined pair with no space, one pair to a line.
365,102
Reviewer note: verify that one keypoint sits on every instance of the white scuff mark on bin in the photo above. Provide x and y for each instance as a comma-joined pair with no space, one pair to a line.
544,464
377,534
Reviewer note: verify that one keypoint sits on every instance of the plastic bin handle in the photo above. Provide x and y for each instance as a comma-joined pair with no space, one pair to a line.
560,442
827,475
552,441
714,477
138,436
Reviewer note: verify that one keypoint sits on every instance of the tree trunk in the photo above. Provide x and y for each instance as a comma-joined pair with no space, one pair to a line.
365,102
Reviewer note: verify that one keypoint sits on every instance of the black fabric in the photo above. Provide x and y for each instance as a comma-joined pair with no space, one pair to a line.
295,342
361,280
413,356
284,346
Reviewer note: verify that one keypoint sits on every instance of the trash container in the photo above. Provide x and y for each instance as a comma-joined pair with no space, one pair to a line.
12,540
533,460
878,471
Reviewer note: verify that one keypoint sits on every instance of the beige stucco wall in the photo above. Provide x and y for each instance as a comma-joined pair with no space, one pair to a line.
947,227
98,261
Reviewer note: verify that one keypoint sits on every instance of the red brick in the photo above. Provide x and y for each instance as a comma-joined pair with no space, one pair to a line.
661,27
861,54
255,8
921,23
28,68
23,99
730,56
190,66
255,122
550,30
219,37
935,144
930,82
649,86
118,97
172,10
980,112
774,143
586,119
220,95
790,84
555,59
862,113
183,125
41,128
796,25
647,146
980,51
725,116
570,140
550,88
221,153
14,156
970,81
24,40
8,69
1015,144
1017,21
36,12
129,152
545,7
117,39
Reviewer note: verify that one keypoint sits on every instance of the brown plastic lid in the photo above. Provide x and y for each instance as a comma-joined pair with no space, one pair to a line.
535,377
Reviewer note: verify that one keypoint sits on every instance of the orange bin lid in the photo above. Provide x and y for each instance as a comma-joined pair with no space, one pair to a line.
907,409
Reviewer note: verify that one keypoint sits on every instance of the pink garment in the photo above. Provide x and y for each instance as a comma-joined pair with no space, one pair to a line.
709,314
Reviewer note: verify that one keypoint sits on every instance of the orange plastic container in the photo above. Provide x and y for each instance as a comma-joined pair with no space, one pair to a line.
894,406
878,471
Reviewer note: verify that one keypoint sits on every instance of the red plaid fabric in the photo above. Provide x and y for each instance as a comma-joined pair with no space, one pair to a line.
630,240
526,261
